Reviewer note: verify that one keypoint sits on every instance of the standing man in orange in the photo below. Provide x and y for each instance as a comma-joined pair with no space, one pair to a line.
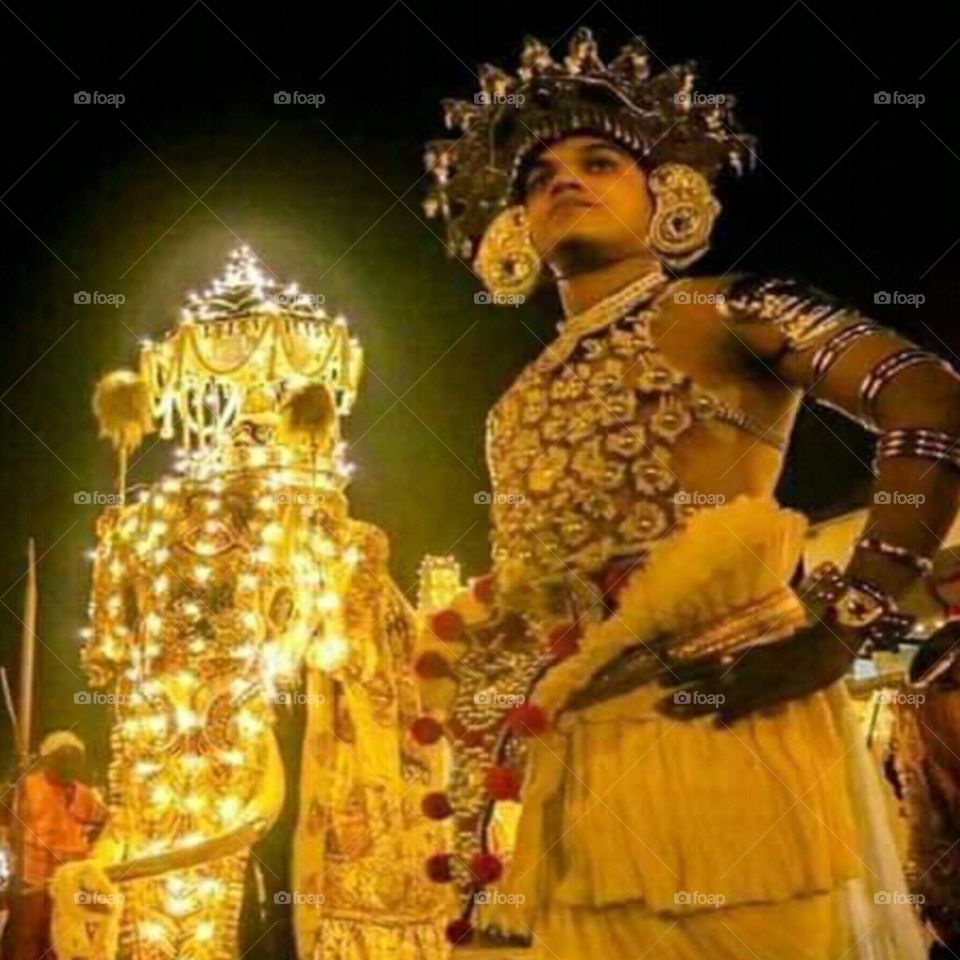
56,819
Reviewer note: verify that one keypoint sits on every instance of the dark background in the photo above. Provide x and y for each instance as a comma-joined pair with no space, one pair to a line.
147,199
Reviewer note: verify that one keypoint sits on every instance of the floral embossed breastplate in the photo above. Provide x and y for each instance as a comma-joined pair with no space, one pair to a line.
580,447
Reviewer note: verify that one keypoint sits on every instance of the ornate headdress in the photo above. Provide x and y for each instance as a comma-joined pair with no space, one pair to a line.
659,118
254,375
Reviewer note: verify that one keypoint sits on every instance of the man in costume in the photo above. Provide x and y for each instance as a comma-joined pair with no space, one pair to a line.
57,816
695,786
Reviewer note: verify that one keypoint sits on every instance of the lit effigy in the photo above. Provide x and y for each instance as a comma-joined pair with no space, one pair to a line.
216,590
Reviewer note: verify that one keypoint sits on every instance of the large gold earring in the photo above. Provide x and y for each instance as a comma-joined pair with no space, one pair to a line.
507,261
683,216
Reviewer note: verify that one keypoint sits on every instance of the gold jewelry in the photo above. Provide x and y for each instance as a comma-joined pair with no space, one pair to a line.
614,306
507,261
684,215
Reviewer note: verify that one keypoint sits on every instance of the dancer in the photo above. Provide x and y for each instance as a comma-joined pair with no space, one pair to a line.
700,789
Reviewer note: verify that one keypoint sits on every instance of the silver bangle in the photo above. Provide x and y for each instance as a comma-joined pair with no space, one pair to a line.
828,354
888,369
921,565
919,442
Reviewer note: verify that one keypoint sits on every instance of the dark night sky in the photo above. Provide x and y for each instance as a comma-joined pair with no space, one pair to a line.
148,198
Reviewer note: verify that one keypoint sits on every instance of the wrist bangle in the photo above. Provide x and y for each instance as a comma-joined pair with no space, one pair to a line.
859,606
923,566
918,442
887,370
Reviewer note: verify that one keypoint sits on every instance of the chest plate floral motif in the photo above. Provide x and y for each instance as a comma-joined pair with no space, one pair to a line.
580,450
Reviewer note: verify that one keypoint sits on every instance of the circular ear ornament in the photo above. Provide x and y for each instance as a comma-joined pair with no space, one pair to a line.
684,214
507,261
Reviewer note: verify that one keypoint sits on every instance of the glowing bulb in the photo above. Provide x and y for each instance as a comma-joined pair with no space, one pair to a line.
157,725
328,601
248,724
161,796
151,931
329,653
272,533
209,887
229,808
178,907
187,719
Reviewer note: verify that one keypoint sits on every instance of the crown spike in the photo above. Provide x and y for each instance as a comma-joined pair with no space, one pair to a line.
536,60
583,56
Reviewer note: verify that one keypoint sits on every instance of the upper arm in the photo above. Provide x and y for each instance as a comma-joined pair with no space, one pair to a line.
838,356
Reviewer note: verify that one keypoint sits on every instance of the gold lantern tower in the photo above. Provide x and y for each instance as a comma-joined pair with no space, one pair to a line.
215,592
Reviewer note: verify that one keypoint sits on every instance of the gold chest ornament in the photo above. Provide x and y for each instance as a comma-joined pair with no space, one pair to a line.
580,446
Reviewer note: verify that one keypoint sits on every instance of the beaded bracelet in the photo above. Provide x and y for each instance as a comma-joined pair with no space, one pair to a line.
918,442
920,565
858,605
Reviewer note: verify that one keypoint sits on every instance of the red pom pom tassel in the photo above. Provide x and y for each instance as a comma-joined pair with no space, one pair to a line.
447,625
563,640
439,868
432,666
426,730
483,589
460,932
436,806
526,720
503,783
486,868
